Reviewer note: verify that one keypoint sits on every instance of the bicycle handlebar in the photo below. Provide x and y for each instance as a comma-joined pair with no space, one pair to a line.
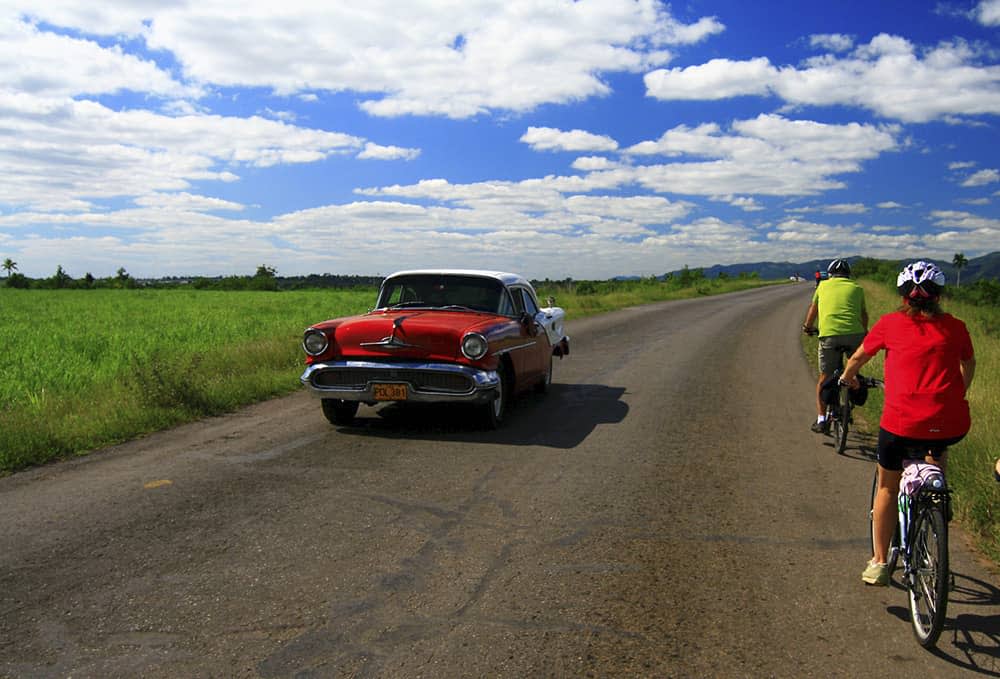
870,382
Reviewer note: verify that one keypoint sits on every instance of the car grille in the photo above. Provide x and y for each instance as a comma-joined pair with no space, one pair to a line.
419,380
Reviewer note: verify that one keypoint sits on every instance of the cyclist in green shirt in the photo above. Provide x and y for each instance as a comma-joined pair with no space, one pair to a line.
839,306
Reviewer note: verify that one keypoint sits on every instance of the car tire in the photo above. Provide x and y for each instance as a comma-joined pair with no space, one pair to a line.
546,382
496,410
340,412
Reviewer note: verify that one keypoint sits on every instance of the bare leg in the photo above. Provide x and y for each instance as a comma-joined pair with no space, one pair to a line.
820,407
884,514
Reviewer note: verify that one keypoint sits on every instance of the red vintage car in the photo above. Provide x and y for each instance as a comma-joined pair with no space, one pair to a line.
443,336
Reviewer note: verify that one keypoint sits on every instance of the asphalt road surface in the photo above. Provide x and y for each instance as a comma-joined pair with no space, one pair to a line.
663,512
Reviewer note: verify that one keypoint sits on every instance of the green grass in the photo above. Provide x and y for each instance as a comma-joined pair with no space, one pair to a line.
970,463
82,369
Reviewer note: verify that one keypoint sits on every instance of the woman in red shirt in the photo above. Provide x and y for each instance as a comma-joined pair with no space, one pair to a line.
929,365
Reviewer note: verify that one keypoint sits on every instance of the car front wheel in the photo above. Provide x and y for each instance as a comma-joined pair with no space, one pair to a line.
494,411
340,412
546,382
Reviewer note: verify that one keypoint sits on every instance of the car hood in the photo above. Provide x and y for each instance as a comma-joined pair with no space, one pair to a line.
409,333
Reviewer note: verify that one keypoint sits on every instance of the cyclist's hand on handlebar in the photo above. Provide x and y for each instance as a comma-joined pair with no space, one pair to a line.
852,382
809,331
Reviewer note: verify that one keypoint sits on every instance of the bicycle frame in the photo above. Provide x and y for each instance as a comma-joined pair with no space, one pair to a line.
921,543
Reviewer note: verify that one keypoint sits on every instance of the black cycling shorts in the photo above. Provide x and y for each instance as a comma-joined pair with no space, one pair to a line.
893,449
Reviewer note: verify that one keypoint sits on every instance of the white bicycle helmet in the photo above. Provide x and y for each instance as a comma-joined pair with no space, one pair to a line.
839,267
920,280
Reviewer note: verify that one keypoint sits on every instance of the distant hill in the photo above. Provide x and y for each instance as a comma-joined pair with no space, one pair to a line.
987,266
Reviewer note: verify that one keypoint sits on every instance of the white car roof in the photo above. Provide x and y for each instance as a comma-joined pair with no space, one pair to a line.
503,277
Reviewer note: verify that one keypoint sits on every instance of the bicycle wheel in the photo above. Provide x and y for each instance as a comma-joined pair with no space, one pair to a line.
892,555
928,578
842,421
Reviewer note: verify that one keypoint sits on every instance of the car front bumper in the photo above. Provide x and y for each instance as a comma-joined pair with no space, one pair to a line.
425,382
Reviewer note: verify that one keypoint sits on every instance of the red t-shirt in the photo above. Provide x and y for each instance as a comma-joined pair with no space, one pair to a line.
924,390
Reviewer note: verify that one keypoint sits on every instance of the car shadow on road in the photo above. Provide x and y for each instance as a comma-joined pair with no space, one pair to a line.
562,418
969,641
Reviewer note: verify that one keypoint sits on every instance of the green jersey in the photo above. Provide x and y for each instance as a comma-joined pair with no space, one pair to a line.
841,302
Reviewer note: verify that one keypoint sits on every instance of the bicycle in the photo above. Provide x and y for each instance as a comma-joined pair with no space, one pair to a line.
838,413
921,541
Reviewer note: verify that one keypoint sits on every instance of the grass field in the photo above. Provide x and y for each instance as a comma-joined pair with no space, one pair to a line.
970,463
83,369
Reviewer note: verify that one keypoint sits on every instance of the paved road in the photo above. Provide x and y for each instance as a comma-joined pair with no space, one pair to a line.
664,511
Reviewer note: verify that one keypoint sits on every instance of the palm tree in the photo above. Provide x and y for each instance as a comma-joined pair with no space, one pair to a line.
959,263
9,265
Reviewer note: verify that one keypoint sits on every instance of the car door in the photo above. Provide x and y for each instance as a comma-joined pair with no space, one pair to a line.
539,348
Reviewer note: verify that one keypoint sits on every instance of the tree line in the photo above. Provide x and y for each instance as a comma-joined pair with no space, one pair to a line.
264,278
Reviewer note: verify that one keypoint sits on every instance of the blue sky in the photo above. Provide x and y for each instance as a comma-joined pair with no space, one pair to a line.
555,139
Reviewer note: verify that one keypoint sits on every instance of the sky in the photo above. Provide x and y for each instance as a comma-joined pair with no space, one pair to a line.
550,138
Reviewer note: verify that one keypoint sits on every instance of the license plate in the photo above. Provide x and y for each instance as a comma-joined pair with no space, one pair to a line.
389,392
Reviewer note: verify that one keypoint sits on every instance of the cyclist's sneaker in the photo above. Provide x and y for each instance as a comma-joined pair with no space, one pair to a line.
876,574
821,427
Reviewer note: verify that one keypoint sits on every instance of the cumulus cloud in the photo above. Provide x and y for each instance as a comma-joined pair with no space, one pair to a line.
422,57
982,178
46,64
835,42
889,76
551,139
987,12
767,155
55,153
374,151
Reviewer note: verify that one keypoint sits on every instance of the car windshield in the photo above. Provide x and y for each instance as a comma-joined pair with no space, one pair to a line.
442,291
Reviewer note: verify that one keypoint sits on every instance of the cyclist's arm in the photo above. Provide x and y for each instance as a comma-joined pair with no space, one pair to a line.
864,319
968,369
854,364
810,316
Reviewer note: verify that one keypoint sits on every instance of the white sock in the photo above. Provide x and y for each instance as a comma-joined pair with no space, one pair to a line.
820,419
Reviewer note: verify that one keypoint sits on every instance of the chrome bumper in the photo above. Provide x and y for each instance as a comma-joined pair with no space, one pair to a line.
480,385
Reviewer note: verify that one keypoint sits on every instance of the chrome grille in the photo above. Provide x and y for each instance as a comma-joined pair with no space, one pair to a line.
420,380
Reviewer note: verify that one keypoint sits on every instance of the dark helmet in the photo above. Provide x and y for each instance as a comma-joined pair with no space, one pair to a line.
839,267
920,281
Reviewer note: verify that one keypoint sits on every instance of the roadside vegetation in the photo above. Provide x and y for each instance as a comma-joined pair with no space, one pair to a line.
84,369
587,298
970,463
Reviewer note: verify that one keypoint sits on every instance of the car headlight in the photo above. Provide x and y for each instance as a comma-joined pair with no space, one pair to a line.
315,342
474,346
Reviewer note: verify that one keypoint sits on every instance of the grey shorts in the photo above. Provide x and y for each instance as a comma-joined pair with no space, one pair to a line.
831,348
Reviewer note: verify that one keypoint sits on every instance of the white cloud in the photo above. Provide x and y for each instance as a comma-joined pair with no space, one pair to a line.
836,42
47,64
768,155
420,57
377,152
551,139
982,178
55,153
887,76
988,12
717,79
592,163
